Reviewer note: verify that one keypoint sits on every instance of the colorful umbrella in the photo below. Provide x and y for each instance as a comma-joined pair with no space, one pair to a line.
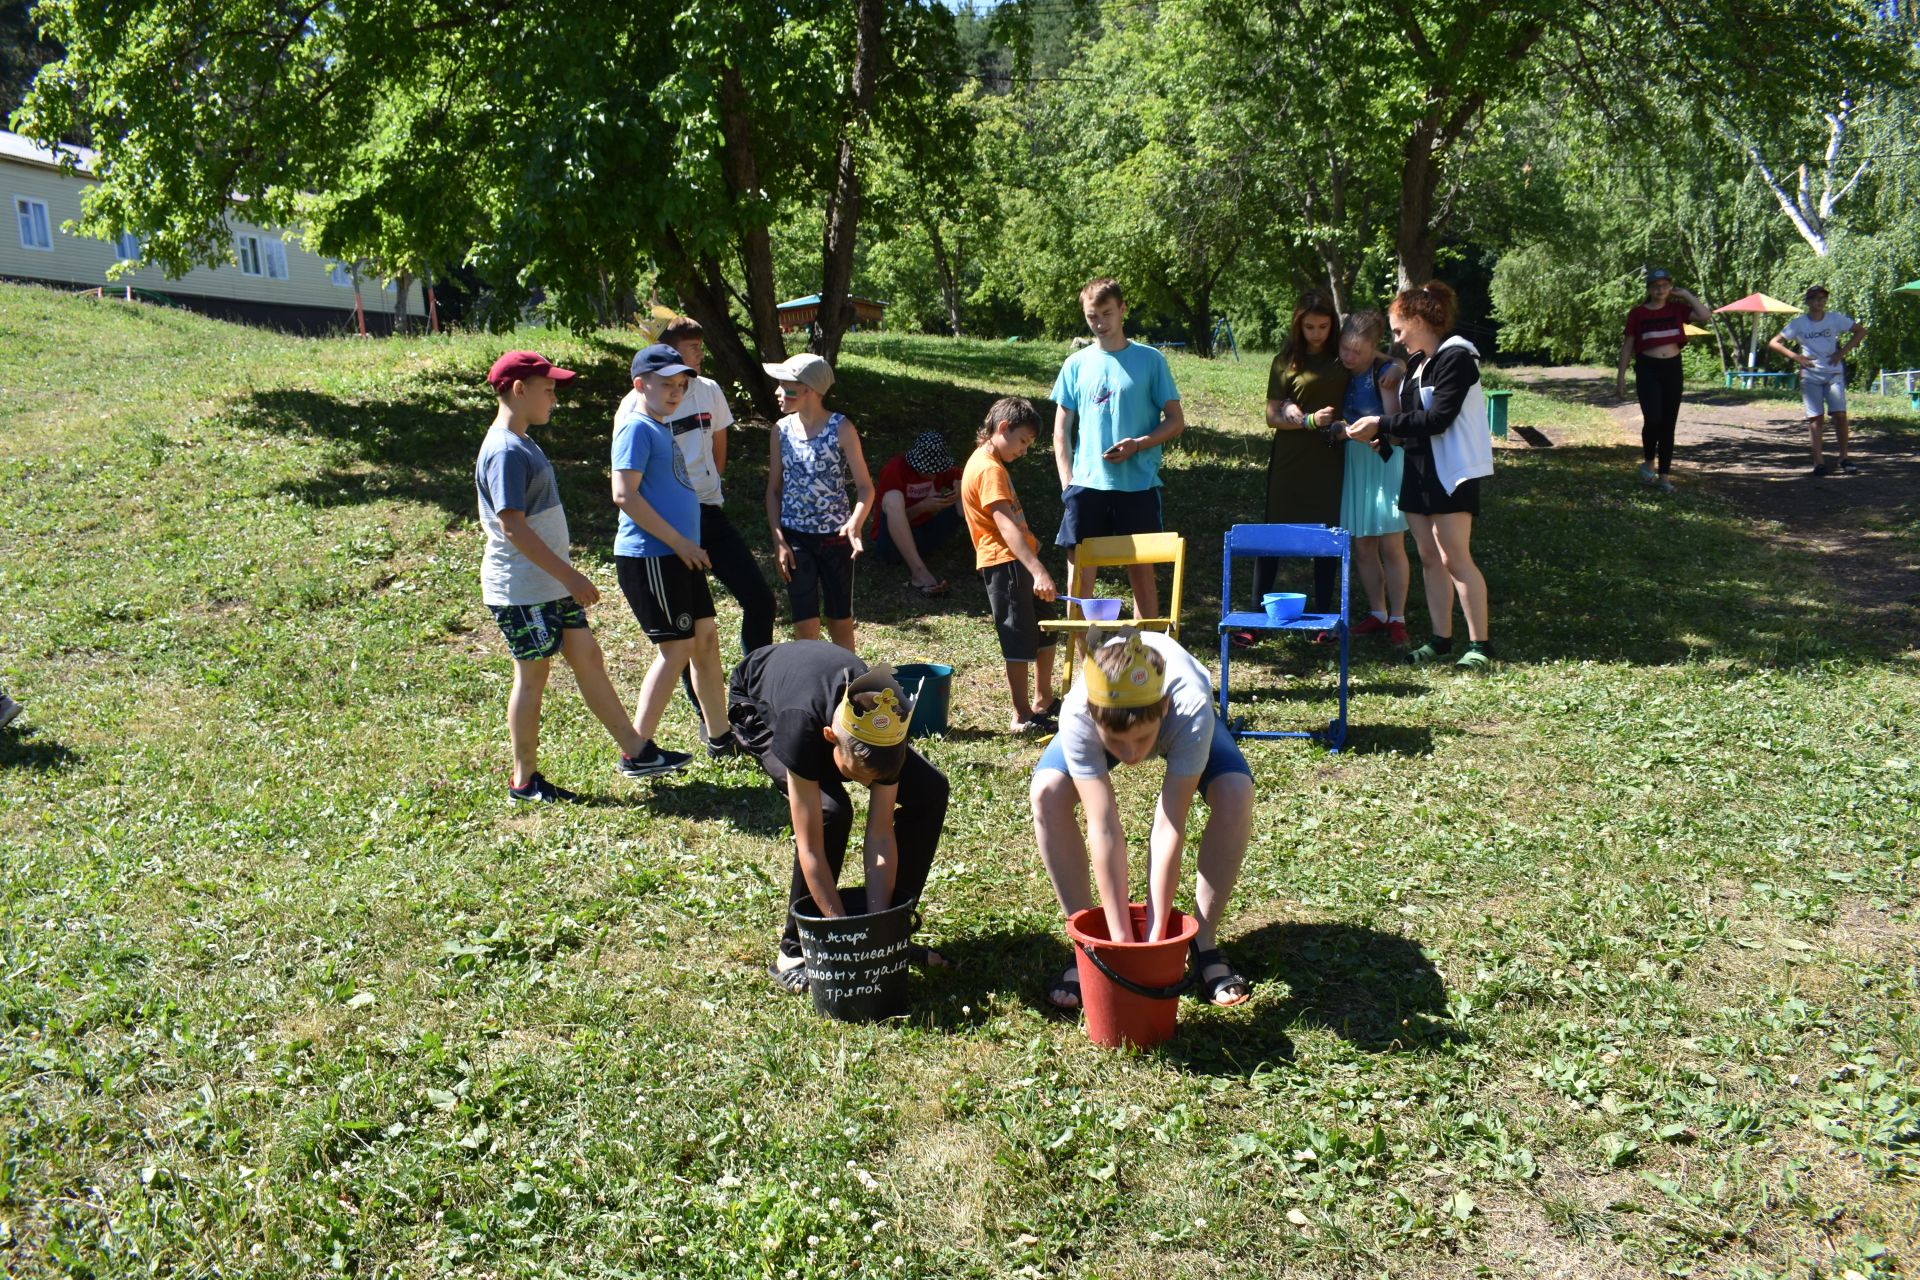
1757,305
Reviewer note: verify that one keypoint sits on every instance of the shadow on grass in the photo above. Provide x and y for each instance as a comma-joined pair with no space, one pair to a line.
26,750
747,803
1016,963
1377,991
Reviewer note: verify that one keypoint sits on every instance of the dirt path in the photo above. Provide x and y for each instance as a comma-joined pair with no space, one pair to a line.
1754,453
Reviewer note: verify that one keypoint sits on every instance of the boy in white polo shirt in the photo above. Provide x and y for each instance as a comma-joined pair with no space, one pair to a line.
1826,338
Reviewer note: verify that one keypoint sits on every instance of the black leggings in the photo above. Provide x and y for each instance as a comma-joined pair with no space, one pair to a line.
739,573
1658,385
1326,581
921,811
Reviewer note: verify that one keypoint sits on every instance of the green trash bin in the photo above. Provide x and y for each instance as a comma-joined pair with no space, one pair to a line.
1497,413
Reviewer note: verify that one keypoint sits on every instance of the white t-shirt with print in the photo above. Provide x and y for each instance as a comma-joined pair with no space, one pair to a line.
702,413
1820,339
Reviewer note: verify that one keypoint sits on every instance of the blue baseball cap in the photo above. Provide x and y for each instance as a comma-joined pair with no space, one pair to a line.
659,360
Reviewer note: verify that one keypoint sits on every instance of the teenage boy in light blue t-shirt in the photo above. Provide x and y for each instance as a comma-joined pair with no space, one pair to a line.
657,553
1120,395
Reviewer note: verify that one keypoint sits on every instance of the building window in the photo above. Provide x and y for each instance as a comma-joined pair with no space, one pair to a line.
35,231
341,275
247,251
274,258
126,246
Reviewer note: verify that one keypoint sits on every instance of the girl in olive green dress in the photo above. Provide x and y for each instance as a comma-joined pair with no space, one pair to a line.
1304,472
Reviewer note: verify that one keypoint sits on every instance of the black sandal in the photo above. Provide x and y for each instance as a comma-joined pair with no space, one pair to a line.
1210,988
792,981
1065,987
925,957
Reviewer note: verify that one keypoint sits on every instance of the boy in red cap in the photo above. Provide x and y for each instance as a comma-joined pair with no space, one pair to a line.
527,576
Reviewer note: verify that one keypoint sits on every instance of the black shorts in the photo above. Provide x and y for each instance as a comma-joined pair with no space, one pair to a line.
822,575
667,597
1017,612
533,630
1422,494
1103,513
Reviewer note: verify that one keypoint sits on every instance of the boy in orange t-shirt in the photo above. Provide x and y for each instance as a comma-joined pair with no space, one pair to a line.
1020,591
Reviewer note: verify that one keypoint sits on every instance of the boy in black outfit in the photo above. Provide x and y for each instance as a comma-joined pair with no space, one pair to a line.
816,717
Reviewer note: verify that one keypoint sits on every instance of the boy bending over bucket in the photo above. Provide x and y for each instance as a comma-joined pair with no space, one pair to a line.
816,718
1140,694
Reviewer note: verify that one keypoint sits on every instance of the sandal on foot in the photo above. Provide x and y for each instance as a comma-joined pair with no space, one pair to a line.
1474,660
1064,988
933,590
1242,639
1210,988
926,957
792,981
1424,654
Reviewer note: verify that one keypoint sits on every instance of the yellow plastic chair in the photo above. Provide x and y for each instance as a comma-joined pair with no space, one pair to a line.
1124,551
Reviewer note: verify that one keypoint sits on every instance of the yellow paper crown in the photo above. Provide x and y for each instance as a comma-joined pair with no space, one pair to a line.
886,724
1137,685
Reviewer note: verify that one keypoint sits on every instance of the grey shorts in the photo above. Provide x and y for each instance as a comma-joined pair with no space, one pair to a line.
1017,612
1823,391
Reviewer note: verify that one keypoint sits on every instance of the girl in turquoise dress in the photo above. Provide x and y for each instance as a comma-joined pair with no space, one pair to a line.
1370,491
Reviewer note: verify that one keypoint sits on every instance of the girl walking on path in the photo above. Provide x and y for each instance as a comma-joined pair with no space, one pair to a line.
1304,390
1370,493
1447,450
1655,333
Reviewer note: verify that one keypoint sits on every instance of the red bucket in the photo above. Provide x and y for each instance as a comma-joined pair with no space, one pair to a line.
1130,990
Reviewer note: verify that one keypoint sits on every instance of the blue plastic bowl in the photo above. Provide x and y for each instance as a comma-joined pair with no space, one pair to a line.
1283,606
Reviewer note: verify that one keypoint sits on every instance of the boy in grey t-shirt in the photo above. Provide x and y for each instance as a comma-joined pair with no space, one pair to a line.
528,580
1826,338
1140,694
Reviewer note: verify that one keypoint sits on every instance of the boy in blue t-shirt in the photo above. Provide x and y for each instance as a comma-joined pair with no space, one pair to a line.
527,576
1120,395
661,564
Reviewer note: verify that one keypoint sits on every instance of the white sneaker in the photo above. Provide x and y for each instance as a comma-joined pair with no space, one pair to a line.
9,710
1665,485
1647,474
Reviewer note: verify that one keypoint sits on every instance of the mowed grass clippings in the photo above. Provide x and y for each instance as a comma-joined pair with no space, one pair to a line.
1601,965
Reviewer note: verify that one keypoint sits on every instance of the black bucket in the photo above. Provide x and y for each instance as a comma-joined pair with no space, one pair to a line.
857,964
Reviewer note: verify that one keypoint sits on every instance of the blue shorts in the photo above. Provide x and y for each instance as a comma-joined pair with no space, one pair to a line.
1223,757
1103,513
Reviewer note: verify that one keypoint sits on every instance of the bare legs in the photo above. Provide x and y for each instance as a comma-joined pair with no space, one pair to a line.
582,653
1448,570
702,650
1384,572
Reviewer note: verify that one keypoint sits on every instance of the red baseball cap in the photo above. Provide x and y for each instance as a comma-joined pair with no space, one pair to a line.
525,364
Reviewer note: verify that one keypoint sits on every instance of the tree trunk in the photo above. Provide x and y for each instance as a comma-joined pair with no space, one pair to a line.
1419,178
949,287
843,205
1339,286
402,286
1200,324
742,172
702,287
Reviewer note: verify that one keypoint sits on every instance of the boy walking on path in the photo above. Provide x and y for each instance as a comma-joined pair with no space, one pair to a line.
1120,397
1140,694
527,578
1020,591
661,563
1826,338
699,428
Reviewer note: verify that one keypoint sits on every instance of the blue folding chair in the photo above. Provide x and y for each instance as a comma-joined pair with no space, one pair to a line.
1246,541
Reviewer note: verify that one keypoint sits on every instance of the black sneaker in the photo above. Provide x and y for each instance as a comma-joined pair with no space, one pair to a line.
652,762
1821,471
1848,469
539,791
722,747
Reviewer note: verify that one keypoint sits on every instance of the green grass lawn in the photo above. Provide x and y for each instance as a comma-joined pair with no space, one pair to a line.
1602,965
